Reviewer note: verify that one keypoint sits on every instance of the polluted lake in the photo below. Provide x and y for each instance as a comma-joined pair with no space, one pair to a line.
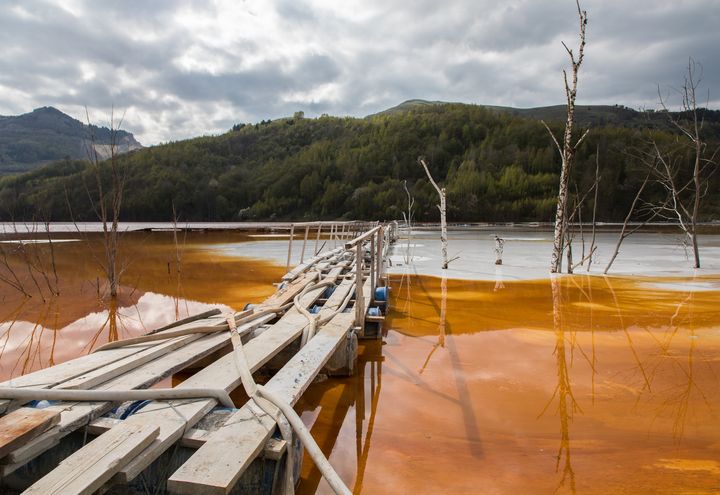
490,379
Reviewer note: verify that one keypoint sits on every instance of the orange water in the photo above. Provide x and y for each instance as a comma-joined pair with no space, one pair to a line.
611,390
593,386
162,279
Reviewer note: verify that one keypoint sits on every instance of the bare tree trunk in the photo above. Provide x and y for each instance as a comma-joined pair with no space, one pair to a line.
594,224
696,200
623,232
408,221
568,149
691,127
443,212
109,202
443,228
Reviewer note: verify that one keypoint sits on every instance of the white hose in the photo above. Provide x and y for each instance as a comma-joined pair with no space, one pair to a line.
152,337
28,394
309,330
328,472
257,393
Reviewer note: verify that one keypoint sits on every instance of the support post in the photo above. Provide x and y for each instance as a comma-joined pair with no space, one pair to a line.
302,255
292,234
317,238
379,256
373,267
359,299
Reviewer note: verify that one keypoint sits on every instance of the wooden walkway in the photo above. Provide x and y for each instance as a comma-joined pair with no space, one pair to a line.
191,445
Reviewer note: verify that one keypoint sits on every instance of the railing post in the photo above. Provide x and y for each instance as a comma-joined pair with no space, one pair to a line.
317,239
373,267
302,255
359,299
292,234
379,256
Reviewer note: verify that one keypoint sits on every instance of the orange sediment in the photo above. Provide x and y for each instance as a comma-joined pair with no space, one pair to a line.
160,282
589,385
612,389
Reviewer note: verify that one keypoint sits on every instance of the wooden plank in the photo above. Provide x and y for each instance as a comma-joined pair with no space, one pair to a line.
217,466
193,438
87,470
303,267
60,373
287,293
22,425
176,416
189,319
96,377
76,415
359,240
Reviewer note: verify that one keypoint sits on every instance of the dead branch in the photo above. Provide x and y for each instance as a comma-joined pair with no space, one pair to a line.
443,212
568,149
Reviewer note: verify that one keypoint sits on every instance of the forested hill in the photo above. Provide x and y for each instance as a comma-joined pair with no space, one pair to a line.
496,167
46,134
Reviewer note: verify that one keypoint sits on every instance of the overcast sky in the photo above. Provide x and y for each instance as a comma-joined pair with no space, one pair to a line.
182,68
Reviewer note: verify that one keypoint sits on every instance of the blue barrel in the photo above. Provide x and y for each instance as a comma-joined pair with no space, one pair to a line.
374,311
381,293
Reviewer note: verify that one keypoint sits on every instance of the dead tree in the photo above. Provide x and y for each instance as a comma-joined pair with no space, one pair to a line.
684,196
624,232
408,222
443,210
595,202
568,149
499,246
109,199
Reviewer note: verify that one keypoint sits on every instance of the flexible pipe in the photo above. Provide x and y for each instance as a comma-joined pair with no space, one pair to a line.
256,392
308,331
189,331
328,472
28,394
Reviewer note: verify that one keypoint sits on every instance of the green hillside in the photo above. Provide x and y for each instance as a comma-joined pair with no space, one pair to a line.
586,115
495,165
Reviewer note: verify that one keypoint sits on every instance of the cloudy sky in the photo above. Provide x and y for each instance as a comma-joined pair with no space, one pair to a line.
182,68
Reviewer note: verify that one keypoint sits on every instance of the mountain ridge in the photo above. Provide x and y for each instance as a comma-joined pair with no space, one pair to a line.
46,135
495,166
585,114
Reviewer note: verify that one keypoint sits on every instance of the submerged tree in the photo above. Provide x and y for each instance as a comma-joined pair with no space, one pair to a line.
443,213
569,148
109,198
408,221
683,168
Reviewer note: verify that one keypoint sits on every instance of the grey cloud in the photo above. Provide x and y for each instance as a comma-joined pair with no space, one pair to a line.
482,51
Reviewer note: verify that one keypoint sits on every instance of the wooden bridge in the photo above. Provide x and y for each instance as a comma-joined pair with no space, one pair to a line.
93,424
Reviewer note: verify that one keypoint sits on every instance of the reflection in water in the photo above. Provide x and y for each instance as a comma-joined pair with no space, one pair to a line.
477,381
567,405
165,279
372,358
581,385
335,402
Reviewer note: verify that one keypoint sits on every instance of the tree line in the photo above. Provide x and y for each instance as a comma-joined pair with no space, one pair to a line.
495,167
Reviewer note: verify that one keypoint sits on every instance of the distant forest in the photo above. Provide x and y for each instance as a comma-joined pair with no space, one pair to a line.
496,166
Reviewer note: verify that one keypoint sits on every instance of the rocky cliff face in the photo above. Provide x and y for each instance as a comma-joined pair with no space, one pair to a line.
46,134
